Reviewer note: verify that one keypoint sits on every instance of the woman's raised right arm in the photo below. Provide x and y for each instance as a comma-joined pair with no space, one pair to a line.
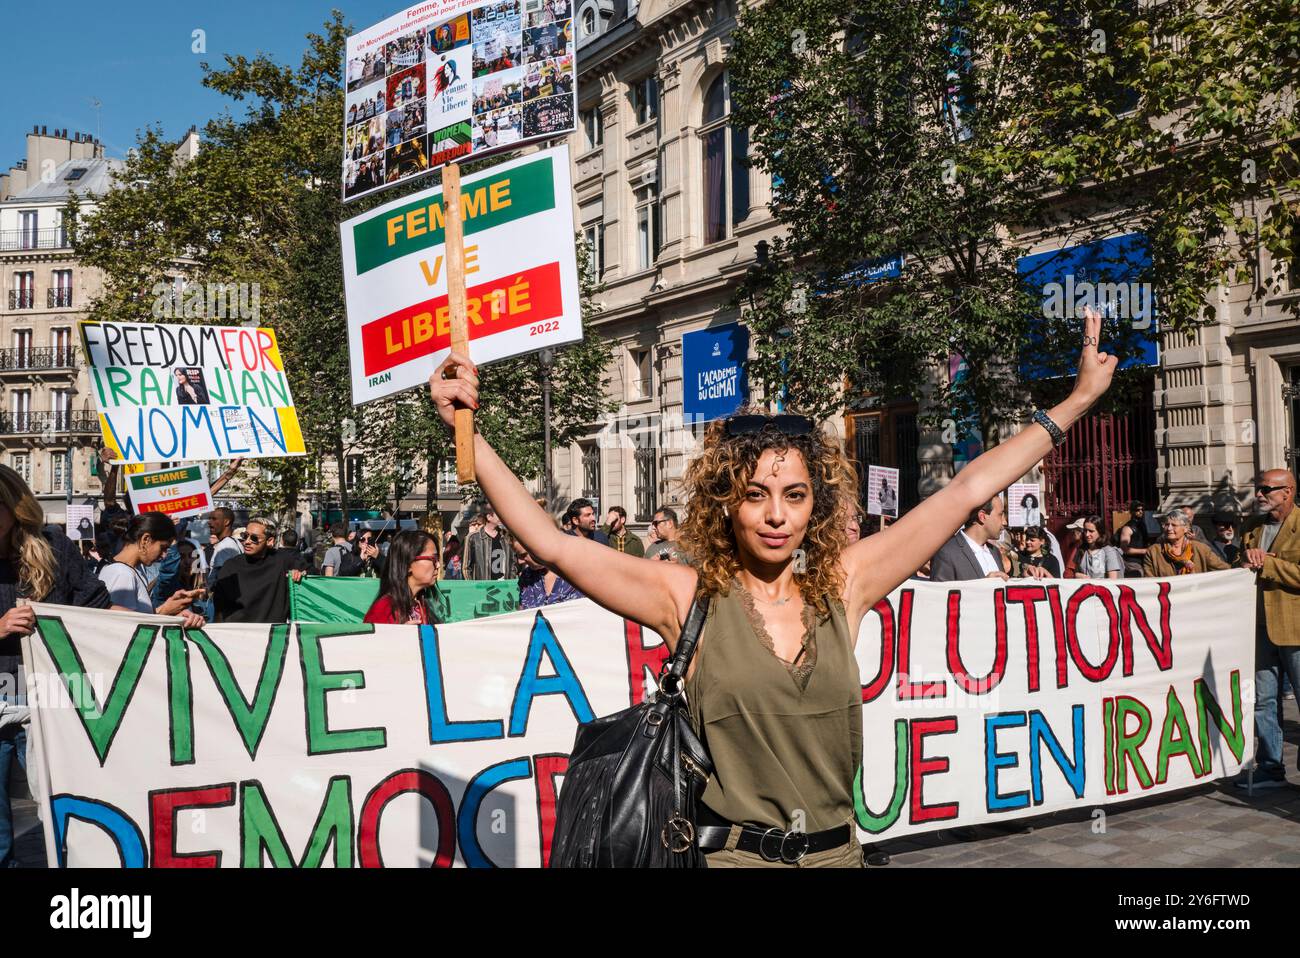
655,594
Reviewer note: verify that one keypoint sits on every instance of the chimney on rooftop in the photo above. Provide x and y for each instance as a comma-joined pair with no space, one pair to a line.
42,129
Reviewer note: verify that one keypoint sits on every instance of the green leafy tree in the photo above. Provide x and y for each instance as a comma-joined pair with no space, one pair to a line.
259,205
961,135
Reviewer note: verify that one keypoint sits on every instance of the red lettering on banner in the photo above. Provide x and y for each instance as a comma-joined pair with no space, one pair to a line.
639,658
1028,594
871,691
399,783
503,304
163,806
548,767
907,689
197,501
921,767
1130,614
1093,673
967,682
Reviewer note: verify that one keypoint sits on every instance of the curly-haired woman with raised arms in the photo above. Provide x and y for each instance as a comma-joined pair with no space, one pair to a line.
773,687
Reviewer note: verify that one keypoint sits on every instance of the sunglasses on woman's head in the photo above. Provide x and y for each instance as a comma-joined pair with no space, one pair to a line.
786,425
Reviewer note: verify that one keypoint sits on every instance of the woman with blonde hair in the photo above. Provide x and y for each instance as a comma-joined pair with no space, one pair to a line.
38,563
774,686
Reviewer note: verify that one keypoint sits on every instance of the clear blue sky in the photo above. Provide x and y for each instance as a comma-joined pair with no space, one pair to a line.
135,57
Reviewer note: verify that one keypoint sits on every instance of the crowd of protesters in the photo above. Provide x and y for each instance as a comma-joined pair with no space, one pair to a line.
148,564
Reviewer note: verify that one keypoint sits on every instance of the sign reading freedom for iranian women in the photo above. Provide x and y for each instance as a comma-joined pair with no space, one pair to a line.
190,392
360,745
521,275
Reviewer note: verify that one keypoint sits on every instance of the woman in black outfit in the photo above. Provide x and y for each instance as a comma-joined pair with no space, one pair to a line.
38,563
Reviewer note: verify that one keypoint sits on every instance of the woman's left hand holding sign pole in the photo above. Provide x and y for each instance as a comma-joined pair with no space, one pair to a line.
453,387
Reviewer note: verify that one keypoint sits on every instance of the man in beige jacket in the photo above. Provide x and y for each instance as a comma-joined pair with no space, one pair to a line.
1270,545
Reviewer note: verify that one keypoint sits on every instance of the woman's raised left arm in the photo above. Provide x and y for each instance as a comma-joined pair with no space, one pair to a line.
874,566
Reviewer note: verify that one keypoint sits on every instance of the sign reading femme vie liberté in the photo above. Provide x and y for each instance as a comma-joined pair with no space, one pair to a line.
521,275
179,492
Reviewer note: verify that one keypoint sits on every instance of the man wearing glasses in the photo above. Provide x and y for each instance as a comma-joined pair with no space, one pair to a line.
1270,546
664,525
253,587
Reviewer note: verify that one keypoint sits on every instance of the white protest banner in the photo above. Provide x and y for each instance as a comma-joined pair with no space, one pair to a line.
452,80
359,745
521,274
80,522
1024,505
170,392
179,492
882,491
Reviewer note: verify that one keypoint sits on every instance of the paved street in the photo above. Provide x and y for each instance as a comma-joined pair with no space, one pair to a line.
1216,826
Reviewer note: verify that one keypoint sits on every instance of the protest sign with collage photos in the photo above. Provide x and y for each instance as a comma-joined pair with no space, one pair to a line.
441,82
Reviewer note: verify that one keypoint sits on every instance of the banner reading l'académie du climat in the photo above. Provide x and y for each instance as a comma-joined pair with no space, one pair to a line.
356,745
171,392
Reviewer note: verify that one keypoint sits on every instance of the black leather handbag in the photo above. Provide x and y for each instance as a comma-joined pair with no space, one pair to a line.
635,778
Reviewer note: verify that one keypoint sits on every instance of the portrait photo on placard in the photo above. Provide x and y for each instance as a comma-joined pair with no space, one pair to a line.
190,387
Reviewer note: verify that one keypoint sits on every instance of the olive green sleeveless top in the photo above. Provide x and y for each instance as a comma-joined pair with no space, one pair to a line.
783,739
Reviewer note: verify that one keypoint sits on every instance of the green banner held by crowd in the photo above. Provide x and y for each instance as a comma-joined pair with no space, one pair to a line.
346,599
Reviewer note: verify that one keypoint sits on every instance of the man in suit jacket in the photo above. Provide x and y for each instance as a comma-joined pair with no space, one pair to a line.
1270,545
968,555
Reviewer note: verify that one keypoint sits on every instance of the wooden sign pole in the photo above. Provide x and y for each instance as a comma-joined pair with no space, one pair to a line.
454,229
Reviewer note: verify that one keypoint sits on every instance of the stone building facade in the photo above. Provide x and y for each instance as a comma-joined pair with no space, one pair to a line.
48,426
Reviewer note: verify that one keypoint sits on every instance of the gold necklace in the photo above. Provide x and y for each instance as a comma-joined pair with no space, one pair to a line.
772,602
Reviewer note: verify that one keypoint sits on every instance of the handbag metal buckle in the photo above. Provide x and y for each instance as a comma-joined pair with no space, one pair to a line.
780,855
677,832
670,685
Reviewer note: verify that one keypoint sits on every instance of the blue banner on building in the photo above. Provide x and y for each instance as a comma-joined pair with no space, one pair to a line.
1110,276
713,371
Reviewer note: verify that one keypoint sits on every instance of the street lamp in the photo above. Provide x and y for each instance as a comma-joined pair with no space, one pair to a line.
547,359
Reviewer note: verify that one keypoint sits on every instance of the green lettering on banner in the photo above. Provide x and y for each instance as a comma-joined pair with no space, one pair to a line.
1175,720
1127,743
1108,734
180,698
869,820
531,190
100,722
250,717
261,832
1207,707
317,683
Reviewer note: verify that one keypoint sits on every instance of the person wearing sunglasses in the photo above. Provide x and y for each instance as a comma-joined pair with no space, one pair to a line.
774,686
1270,546
254,586
406,590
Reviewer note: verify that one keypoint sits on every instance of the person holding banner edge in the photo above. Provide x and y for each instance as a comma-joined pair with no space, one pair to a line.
766,539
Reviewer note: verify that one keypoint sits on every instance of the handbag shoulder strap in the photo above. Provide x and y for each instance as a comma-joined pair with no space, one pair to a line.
690,637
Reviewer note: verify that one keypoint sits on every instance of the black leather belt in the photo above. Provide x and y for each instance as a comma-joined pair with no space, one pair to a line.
772,844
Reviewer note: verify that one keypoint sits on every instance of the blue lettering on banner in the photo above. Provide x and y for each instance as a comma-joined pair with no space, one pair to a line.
199,415
440,729
124,832
155,433
995,760
713,371
226,427
1041,733
478,789
276,435
531,684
